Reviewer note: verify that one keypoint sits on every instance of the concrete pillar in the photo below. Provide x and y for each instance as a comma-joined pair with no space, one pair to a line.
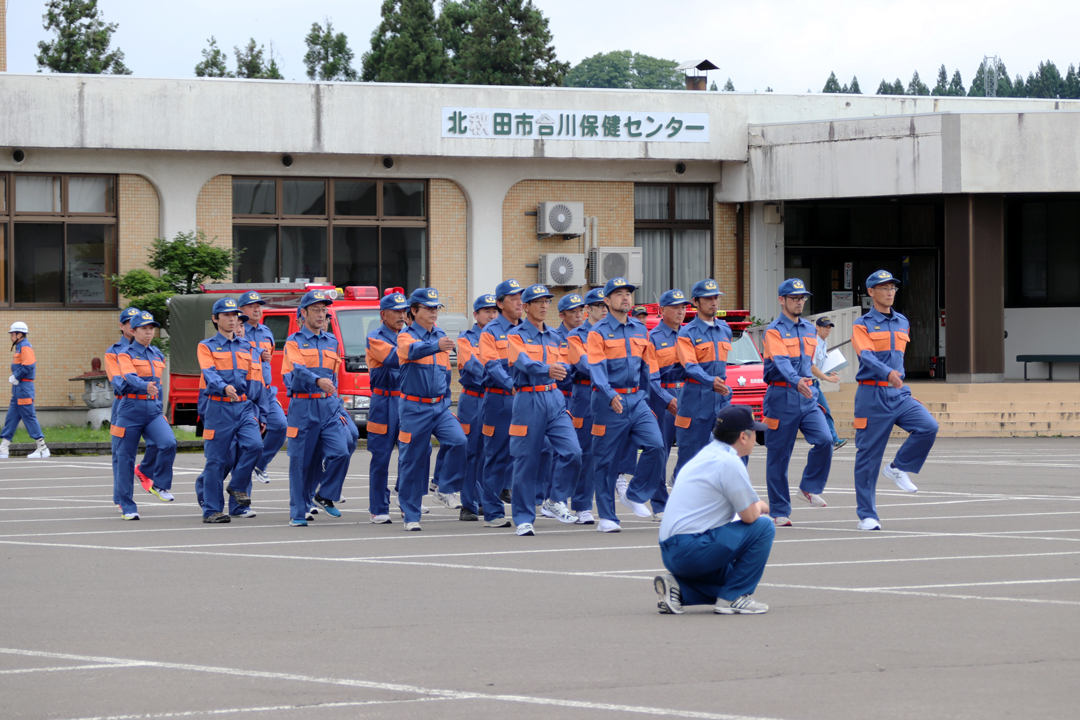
766,262
975,288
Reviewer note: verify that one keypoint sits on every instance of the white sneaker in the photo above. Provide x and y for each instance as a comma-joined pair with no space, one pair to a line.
544,510
4,451
245,513
381,519
41,452
743,605
559,512
811,498
449,500
782,522
412,527
621,483
585,517
432,487
658,517
260,475
162,494
639,509
525,530
129,516
899,477
310,514
869,524
608,526
670,602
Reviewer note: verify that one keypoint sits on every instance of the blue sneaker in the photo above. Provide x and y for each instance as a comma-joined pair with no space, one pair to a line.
328,506
298,523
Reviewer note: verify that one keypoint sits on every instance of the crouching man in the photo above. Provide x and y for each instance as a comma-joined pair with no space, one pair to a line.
713,556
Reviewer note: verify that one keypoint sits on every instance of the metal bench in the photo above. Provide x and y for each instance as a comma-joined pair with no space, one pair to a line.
1048,359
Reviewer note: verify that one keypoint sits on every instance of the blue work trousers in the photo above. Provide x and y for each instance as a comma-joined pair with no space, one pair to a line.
827,410
200,483
785,408
469,407
540,419
724,563
134,419
326,485
153,463
611,431
226,424
274,439
381,441
693,437
582,497
881,408
317,438
418,423
496,477
655,489
25,414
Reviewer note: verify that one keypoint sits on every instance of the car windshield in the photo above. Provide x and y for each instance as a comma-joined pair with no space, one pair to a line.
743,352
355,326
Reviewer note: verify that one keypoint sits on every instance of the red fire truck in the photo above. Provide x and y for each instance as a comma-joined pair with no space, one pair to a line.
745,366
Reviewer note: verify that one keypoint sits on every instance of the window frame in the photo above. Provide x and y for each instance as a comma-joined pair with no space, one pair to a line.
672,224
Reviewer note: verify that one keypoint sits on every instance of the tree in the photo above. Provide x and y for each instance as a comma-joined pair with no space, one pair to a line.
185,262
728,87
328,56
832,85
978,85
82,40
917,86
956,85
214,62
623,69
1019,89
405,47
250,63
942,87
500,42
854,88
713,88
884,88
1072,84
768,89
1046,82
897,87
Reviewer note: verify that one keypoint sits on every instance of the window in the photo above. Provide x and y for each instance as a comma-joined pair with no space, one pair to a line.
1042,251
346,232
673,227
58,240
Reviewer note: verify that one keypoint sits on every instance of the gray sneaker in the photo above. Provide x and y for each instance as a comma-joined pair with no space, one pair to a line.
449,500
744,605
558,511
499,522
670,602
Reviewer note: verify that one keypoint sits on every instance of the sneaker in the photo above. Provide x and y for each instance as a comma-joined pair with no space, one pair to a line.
559,512
432,486
239,496
658,517
144,479
162,494
423,510
260,475
869,524
782,521
245,513
506,496
412,527
129,516
294,523
585,517
468,515
545,511
328,506
639,509
499,522
608,526
448,500
40,453
383,519
743,605
310,514
670,602
811,498
525,529
839,444
899,477
621,483
4,449
217,518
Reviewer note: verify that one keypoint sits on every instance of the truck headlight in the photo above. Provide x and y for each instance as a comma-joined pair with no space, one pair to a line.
356,402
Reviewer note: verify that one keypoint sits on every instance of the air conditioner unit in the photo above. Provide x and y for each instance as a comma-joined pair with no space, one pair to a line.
608,262
561,269
560,218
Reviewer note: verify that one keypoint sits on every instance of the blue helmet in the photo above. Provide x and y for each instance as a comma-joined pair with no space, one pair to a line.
127,313
393,301
569,302
144,318
793,286
595,296
484,301
673,297
508,287
535,292
705,288
881,276
316,296
618,283
225,305
428,297
250,298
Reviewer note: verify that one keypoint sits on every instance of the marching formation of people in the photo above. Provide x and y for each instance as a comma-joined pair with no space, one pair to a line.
556,419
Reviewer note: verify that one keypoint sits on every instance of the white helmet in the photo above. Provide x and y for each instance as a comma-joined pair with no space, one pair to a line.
19,327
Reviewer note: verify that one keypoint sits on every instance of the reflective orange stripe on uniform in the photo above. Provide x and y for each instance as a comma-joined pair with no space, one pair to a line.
518,346
575,349
26,356
377,352
492,348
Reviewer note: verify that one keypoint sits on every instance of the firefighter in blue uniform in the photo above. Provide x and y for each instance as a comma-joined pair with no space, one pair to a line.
141,365
470,403
316,433
624,372
882,400
21,408
539,414
498,401
231,385
424,355
703,345
262,339
382,427
581,502
791,406
116,382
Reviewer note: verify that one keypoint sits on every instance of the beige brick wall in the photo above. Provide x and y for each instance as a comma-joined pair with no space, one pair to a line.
3,35
725,258
213,210
139,221
448,245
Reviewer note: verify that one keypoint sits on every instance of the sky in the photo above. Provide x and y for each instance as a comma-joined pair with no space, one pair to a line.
790,46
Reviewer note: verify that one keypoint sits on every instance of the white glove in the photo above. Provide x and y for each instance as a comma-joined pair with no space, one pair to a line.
12,380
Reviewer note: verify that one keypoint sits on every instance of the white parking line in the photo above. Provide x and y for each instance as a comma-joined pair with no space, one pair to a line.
883,591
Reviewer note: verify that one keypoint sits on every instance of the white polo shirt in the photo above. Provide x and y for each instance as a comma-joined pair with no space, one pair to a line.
711,488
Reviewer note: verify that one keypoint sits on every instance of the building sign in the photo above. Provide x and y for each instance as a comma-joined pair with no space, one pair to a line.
606,125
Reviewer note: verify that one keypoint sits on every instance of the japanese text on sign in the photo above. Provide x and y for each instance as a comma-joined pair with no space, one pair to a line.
500,123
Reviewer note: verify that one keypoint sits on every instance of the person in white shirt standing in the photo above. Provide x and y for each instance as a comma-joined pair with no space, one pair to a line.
824,328
713,556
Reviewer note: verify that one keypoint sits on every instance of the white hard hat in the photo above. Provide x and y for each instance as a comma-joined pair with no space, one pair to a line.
19,327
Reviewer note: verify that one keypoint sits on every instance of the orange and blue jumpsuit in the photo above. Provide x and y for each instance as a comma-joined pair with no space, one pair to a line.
137,414
672,378
880,341
424,414
262,338
116,382
623,364
538,418
580,410
495,414
317,435
382,427
24,368
231,439
789,353
702,352
470,403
